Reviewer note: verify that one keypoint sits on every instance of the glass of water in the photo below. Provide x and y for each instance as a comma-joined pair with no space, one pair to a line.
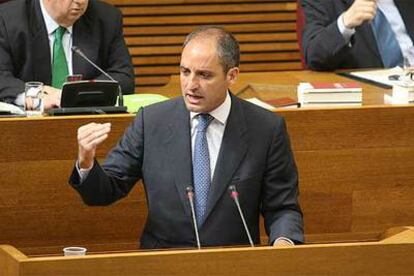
33,101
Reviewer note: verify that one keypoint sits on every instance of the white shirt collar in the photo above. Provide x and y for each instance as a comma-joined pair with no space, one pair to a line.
50,23
221,113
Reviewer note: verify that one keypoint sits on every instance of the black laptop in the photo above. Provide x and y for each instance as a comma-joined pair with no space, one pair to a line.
88,97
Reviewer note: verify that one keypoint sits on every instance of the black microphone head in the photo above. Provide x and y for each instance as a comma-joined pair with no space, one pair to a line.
189,189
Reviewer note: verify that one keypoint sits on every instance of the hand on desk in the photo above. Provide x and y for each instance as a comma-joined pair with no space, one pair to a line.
359,12
89,137
51,97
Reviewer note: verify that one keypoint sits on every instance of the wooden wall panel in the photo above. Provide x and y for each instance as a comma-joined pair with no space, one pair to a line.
155,31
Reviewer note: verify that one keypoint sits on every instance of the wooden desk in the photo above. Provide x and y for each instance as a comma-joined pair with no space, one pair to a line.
280,84
356,168
392,255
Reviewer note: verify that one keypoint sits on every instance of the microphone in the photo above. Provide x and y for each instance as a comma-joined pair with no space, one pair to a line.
190,195
235,196
79,52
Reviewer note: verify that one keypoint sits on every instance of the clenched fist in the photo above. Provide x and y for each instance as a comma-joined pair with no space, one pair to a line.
89,137
359,12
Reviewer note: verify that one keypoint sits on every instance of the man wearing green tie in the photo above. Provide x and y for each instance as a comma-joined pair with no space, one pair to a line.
36,37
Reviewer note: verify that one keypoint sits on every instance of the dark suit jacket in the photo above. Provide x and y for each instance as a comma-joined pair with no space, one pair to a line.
255,156
324,46
25,51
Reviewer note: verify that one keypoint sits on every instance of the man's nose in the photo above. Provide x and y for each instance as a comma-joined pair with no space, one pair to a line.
192,82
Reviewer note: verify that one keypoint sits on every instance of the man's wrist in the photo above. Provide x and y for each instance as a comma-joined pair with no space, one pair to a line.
346,32
85,164
83,173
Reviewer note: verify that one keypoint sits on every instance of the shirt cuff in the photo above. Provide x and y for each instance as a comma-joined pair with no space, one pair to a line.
346,32
83,173
19,99
285,240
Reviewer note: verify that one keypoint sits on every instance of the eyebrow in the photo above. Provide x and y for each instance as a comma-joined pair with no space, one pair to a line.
197,71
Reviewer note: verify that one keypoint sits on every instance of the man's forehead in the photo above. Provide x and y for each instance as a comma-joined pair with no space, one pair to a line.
200,62
200,50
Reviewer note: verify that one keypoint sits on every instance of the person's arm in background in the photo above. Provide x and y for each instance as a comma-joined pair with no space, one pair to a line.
119,64
11,87
327,35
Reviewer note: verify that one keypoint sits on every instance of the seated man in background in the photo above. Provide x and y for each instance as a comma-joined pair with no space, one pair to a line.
36,37
207,139
341,34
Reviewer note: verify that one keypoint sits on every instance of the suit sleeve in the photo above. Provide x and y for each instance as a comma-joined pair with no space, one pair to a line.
323,45
280,206
119,61
119,173
10,86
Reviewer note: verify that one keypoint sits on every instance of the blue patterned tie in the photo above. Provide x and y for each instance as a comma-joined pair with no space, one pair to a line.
201,167
388,46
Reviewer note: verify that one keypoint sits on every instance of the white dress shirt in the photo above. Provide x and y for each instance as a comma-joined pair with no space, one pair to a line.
51,26
214,131
397,25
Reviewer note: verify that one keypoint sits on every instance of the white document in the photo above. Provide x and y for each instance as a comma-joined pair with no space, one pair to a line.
380,76
12,109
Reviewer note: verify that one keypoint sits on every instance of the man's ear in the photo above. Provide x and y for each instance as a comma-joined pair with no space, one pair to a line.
232,75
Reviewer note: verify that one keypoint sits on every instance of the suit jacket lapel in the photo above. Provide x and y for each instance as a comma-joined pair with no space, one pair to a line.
40,45
178,144
232,151
367,34
83,37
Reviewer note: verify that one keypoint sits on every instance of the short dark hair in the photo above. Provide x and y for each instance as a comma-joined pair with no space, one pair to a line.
228,48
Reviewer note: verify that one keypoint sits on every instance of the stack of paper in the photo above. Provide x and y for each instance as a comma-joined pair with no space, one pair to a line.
401,94
329,94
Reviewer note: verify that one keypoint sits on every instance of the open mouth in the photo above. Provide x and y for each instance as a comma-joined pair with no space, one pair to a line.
193,99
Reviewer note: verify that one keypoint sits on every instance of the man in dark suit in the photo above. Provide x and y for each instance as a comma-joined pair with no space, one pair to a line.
245,146
339,34
27,33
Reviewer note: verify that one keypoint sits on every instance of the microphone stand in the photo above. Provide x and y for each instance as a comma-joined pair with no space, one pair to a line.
190,195
235,195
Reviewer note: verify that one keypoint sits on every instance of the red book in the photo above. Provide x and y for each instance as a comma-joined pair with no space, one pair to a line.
283,102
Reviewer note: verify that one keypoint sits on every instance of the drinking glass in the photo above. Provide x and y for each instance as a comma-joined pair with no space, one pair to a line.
33,101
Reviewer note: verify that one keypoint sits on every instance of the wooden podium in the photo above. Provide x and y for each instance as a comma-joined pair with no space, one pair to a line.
356,173
393,254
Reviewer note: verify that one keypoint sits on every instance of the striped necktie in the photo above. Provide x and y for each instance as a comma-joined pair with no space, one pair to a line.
388,46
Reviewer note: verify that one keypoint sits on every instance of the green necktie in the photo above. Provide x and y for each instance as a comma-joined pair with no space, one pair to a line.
60,66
